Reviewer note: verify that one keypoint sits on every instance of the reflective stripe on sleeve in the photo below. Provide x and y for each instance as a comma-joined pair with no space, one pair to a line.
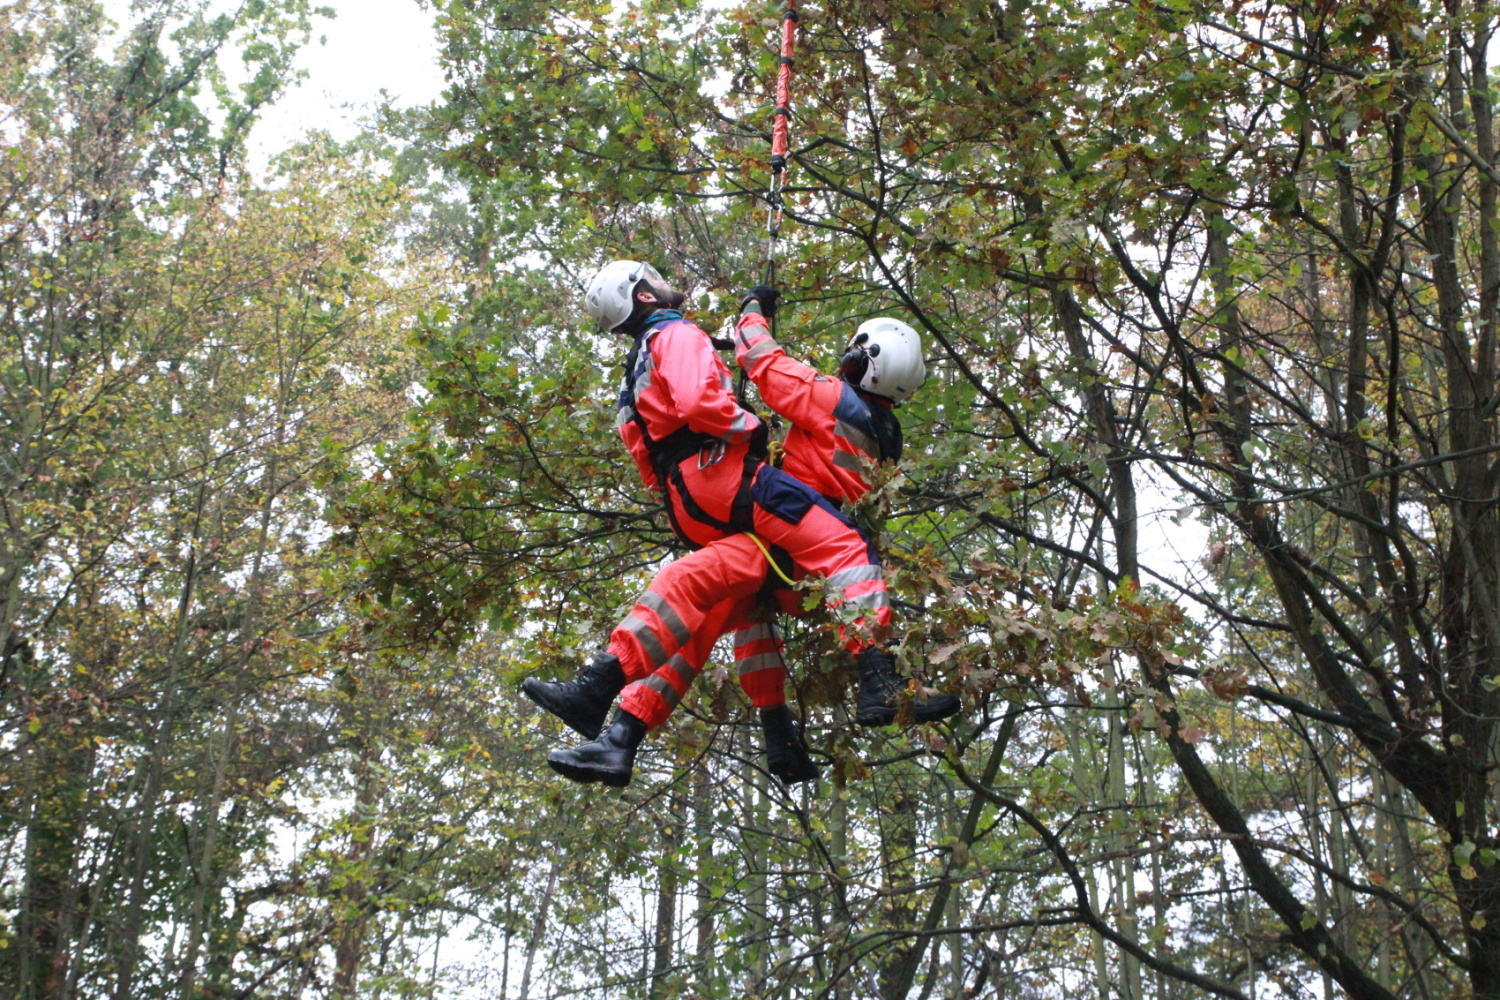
758,351
847,461
859,438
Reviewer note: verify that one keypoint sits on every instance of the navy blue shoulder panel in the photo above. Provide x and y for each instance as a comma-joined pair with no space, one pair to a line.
875,422
853,411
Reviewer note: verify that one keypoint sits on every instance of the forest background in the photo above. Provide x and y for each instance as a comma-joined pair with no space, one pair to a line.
304,467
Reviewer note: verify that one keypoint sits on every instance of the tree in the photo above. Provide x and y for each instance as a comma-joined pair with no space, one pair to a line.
1234,259
190,359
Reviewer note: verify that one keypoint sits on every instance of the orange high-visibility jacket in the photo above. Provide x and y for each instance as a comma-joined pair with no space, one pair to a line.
835,430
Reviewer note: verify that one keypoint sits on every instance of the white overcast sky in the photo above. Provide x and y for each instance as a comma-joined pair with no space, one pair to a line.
369,47
372,45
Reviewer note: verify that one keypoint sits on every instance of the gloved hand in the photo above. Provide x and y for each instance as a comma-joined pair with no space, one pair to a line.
764,296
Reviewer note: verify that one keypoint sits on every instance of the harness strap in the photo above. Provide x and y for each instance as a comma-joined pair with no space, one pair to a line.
887,431
670,452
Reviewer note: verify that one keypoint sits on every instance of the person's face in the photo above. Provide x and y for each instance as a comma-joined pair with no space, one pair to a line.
660,294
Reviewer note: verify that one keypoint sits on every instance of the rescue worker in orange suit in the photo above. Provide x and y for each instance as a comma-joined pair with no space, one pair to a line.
838,426
692,441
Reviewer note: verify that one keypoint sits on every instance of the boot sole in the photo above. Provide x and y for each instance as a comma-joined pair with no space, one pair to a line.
875,717
886,714
589,774
587,728
794,772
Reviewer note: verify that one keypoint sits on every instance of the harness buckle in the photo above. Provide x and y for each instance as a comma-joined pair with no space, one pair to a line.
711,454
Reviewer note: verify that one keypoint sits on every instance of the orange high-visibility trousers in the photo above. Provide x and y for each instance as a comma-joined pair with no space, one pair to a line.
668,635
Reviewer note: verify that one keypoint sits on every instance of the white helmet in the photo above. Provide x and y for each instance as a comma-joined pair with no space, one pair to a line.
885,358
610,298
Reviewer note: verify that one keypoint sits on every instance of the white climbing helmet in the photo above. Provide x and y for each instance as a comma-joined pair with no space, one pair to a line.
610,298
885,358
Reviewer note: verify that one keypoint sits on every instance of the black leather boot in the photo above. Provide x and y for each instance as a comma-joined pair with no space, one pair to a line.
583,702
786,751
880,690
610,758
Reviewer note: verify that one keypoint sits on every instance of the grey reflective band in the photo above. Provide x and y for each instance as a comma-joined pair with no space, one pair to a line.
668,617
655,654
857,437
848,461
760,661
760,350
754,633
683,669
874,599
859,574
668,693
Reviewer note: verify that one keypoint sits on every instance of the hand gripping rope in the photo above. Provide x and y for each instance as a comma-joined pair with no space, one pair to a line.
780,127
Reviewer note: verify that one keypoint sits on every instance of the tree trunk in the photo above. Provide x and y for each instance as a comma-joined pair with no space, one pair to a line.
898,911
757,809
538,931
58,810
703,819
353,902
838,850
666,897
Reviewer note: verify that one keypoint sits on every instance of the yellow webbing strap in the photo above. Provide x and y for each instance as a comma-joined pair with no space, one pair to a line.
767,553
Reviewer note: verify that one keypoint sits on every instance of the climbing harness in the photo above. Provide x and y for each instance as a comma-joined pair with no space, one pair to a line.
670,452
780,130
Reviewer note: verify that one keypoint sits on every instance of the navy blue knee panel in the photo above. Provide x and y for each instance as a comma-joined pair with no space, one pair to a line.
790,499
777,493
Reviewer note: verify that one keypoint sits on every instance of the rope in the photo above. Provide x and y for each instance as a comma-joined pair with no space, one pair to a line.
767,553
780,129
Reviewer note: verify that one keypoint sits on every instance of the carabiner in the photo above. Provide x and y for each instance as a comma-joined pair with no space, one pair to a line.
710,454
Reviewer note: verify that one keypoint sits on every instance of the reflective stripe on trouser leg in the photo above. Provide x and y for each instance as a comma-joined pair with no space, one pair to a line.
664,617
863,587
825,543
652,700
708,592
760,665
